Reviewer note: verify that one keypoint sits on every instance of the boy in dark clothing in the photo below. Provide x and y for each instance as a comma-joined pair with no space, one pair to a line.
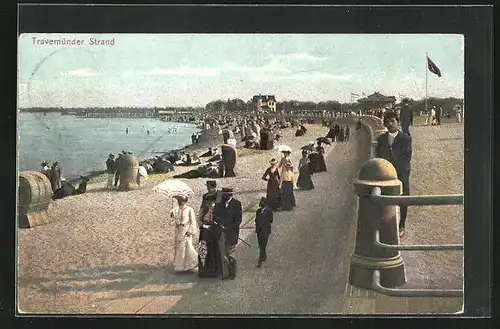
395,147
263,221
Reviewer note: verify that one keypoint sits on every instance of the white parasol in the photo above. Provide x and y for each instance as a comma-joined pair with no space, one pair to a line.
283,148
173,187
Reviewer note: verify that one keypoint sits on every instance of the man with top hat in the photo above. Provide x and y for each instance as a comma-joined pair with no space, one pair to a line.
227,215
110,169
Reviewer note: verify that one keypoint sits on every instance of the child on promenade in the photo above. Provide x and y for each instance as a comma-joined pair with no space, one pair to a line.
263,221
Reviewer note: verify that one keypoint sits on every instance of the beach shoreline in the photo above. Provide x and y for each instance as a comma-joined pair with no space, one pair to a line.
96,174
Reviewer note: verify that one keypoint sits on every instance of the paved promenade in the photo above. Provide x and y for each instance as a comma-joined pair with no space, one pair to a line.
308,253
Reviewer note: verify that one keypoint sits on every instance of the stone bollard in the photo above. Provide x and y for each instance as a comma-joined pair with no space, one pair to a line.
368,257
128,173
35,196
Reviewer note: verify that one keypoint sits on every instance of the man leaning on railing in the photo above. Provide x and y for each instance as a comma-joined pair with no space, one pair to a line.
395,147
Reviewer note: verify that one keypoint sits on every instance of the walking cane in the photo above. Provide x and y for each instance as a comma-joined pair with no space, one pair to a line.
222,227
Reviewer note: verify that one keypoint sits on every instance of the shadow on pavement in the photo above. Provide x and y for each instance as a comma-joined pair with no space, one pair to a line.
109,278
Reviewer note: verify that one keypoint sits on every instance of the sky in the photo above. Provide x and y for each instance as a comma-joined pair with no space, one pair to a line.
193,69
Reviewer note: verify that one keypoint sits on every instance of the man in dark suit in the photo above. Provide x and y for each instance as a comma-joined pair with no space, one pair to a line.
263,221
395,147
228,215
406,117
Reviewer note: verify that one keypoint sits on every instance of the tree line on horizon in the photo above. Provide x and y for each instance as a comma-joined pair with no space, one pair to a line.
328,106
240,105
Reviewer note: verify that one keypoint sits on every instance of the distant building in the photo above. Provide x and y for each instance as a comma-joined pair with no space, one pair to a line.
376,101
264,103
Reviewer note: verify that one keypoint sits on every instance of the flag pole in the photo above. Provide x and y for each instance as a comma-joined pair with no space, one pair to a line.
426,61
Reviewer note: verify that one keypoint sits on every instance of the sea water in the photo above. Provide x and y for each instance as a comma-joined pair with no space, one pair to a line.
81,145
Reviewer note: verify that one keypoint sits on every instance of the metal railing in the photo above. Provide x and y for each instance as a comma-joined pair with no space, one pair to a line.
396,292
416,200
420,200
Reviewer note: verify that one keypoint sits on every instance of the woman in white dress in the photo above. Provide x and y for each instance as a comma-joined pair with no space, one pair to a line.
184,219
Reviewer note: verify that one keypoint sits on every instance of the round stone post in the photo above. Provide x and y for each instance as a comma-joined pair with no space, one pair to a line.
368,257
128,173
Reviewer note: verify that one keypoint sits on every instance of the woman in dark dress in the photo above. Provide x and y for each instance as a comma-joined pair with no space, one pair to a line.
272,177
304,180
207,247
287,196
321,157
341,134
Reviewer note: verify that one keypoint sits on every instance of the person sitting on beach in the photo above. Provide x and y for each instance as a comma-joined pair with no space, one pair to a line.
299,132
194,159
184,161
250,142
65,190
82,187
216,157
208,170
149,167
162,166
209,153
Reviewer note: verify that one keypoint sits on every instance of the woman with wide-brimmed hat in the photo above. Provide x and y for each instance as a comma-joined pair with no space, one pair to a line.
183,217
273,192
287,178
304,180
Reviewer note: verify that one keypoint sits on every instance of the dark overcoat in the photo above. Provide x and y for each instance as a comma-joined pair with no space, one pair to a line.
230,217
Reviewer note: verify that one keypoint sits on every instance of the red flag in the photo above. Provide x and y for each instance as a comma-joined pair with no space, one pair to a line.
433,67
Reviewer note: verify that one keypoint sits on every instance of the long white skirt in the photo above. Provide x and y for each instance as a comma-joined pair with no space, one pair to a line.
185,255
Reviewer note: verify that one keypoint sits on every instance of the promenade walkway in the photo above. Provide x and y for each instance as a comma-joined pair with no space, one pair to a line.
308,253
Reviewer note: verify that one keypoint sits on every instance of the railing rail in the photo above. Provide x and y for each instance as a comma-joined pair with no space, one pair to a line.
409,247
416,200
398,292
